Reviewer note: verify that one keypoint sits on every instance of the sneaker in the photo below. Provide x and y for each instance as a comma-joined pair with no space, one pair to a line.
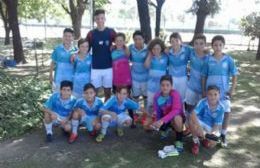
73,137
179,146
205,143
49,138
120,132
100,137
168,151
195,149
223,140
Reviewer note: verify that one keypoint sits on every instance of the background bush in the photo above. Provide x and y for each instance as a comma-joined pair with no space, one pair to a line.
21,100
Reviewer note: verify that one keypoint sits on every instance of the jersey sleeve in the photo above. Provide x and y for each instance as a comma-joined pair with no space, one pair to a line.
130,104
232,67
205,68
199,107
219,119
49,103
108,104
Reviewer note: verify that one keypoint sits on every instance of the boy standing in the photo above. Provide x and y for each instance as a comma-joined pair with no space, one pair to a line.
100,40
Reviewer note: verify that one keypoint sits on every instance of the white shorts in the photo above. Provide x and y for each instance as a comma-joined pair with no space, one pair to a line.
102,77
139,89
58,120
180,84
205,127
191,97
227,105
121,119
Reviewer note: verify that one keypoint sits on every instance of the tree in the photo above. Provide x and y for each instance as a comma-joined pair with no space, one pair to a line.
4,16
251,27
144,19
76,9
158,9
203,8
11,6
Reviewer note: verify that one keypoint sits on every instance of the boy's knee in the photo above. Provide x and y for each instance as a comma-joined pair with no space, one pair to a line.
105,118
178,122
76,114
128,122
97,126
67,128
53,117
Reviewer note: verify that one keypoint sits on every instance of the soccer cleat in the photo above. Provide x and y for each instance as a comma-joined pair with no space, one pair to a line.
223,140
179,146
92,133
49,138
205,143
120,132
100,137
168,151
72,138
195,148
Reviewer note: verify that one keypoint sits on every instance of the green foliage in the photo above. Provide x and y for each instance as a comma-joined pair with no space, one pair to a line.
209,7
38,9
20,104
100,3
251,24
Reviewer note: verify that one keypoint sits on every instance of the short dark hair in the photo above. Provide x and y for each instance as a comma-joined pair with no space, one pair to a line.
120,34
155,42
119,88
200,36
213,87
166,78
138,33
99,11
81,41
68,30
218,38
66,83
175,35
89,86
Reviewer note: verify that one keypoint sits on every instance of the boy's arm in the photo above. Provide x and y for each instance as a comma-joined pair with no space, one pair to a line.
233,87
215,129
148,60
127,51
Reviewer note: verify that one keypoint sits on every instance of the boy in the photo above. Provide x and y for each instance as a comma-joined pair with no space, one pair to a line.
114,112
197,59
207,118
60,61
100,40
217,71
86,112
57,109
168,110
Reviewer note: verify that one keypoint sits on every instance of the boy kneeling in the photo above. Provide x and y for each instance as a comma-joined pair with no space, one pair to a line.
206,120
57,109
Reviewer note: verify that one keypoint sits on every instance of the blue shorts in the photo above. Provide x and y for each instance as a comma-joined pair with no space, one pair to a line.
139,89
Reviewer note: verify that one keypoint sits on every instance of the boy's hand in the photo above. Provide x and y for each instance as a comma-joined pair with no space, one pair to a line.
158,124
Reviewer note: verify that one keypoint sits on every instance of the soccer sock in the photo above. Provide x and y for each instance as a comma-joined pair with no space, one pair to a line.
48,128
74,124
196,140
223,131
179,136
131,113
105,125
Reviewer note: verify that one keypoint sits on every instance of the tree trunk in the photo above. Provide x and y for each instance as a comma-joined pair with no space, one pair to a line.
258,50
158,17
200,22
144,19
13,23
7,35
76,24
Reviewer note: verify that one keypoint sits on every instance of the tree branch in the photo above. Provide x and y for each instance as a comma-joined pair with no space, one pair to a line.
65,8
152,4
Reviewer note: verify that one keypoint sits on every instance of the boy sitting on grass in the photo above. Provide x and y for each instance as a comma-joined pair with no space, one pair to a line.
57,109
206,119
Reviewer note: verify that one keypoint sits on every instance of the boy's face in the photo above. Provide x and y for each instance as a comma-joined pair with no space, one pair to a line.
67,38
157,49
213,96
166,87
218,46
175,42
122,95
120,42
100,20
89,95
199,45
138,41
65,92
83,48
